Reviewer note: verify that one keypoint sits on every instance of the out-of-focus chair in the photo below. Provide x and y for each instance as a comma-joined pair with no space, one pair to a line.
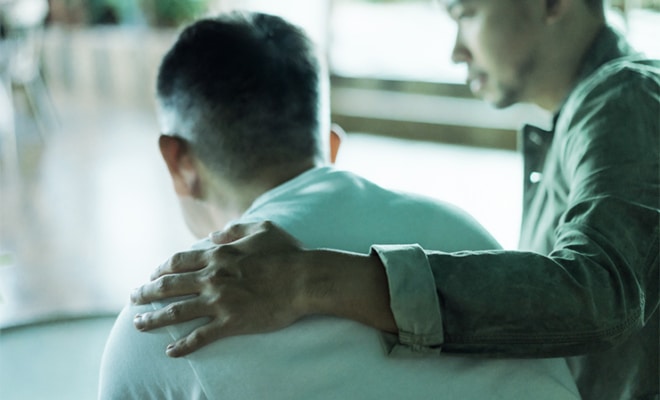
23,25
21,30
9,167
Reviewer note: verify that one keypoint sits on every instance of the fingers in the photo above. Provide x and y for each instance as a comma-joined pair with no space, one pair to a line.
177,312
197,339
166,286
184,261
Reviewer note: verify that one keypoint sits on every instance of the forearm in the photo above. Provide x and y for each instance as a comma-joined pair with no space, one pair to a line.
545,311
525,304
346,285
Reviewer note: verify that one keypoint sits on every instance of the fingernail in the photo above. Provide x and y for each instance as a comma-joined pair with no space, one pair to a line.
134,295
137,321
170,350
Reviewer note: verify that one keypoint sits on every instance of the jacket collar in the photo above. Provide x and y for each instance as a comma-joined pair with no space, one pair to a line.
608,45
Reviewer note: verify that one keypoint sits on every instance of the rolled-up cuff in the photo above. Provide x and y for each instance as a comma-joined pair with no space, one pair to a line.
413,300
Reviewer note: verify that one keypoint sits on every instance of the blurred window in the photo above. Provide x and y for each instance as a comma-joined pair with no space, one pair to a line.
401,40
413,39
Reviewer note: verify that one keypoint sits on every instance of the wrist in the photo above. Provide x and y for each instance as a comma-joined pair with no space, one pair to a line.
314,282
345,285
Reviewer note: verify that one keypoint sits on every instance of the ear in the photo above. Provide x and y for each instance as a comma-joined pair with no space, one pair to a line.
180,164
337,135
555,9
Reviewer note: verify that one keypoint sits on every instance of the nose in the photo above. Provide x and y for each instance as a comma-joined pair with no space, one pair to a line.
460,53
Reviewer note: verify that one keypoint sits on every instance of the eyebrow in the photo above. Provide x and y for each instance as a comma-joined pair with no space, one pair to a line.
451,4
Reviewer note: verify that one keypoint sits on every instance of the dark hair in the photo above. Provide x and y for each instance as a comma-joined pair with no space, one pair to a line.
250,85
595,6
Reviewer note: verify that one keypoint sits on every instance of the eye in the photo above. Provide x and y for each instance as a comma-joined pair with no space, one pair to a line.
459,12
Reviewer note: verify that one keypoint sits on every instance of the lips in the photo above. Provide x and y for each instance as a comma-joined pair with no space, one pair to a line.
476,81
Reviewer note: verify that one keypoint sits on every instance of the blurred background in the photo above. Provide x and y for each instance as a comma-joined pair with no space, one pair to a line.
86,205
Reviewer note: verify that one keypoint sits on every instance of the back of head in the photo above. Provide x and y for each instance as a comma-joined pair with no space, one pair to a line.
246,87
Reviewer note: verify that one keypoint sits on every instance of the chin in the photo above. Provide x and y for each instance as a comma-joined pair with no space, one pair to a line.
501,100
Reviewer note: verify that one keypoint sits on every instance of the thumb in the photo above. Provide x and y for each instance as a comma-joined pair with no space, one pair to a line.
235,232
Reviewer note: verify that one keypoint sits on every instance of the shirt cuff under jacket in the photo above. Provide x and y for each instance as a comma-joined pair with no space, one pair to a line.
413,300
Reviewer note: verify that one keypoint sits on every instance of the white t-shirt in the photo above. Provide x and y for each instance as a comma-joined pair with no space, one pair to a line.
325,357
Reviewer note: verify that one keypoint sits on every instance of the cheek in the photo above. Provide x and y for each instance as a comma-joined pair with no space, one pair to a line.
485,42
495,43
504,50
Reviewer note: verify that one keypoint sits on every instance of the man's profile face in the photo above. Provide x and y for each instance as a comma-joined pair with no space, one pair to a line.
497,40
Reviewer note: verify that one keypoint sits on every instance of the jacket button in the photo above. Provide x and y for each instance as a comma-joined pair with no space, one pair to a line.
535,177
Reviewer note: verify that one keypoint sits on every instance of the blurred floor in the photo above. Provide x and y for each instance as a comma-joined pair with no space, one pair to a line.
53,361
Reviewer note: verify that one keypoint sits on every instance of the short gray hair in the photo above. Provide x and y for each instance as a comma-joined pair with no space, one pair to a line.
250,83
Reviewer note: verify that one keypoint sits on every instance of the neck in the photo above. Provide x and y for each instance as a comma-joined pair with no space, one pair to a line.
562,62
230,198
